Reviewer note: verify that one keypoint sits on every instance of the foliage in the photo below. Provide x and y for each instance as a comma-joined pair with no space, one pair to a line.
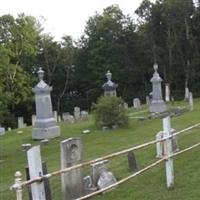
110,111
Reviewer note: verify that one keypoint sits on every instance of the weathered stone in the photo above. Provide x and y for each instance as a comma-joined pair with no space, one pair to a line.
147,100
72,182
33,120
109,87
45,125
84,115
106,179
167,92
26,147
77,113
2,131
157,104
132,161
68,118
21,122
191,104
96,170
136,103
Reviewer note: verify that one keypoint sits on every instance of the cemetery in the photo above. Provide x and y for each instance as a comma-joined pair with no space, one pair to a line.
114,114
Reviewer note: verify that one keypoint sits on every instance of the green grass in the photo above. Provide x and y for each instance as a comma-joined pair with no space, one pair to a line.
150,185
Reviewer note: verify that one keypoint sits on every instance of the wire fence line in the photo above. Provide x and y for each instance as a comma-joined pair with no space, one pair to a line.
167,157
110,156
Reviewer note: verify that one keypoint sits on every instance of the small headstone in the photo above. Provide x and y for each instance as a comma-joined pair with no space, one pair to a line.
2,131
77,113
147,100
125,105
167,92
191,101
59,118
86,131
33,119
187,94
55,115
21,122
105,128
68,118
84,115
136,103
44,142
96,170
132,162
106,179
9,129
26,147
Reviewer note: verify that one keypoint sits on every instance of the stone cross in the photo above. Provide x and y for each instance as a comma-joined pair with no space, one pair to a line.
72,182
109,87
45,124
157,104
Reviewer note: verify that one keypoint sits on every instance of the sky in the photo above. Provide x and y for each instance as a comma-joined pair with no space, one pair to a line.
64,17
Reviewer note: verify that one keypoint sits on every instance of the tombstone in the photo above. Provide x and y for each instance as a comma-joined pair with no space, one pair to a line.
9,128
72,181
2,131
47,188
77,113
136,103
187,94
106,179
157,104
109,87
33,119
55,115
26,147
59,118
160,145
132,161
21,122
68,118
35,170
191,103
167,92
147,100
45,125
125,105
84,115
97,169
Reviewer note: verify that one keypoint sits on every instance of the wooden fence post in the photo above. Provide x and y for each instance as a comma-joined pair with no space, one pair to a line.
35,170
168,151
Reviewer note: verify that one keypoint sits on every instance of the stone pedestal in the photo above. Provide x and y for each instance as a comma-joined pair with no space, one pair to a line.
157,104
109,87
45,126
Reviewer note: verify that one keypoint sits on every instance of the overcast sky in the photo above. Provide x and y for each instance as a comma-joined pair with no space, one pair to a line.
64,16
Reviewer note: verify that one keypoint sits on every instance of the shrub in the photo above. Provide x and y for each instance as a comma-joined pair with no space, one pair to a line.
110,111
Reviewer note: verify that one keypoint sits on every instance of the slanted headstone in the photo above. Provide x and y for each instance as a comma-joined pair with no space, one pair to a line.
77,113
191,104
136,103
33,120
106,179
84,115
45,125
187,94
132,161
21,122
72,181
157,104
35,170
147,100
109,87
2,131
167,92
96,170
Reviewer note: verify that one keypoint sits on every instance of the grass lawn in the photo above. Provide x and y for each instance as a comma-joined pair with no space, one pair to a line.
151,185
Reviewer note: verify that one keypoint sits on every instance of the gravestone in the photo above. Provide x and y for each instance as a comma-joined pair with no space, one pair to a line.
96,170
106,179
59,118
187,94
21,123
125,106
132,161
72,181
2,131
55,115
109,87
67,117
45,125
191,103
136,103
84,115
26,147
147,100
77,113
167,92
33,119
157,104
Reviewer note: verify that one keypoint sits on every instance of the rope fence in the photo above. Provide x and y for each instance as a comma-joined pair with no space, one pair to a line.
167,157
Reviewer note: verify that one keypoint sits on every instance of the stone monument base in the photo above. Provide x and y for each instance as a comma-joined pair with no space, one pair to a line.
158,107
45,133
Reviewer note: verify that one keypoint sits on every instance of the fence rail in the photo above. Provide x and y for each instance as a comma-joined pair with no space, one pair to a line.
168,156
